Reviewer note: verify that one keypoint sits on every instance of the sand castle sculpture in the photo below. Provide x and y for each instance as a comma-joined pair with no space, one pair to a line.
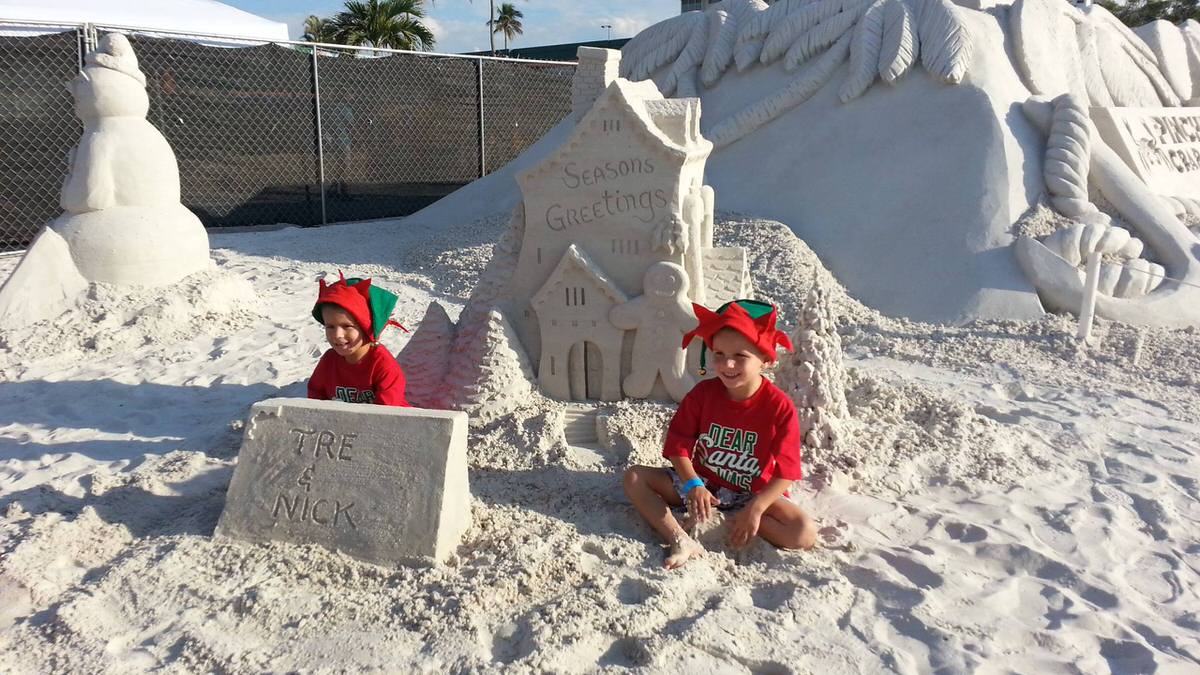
123,222
910,191
594,280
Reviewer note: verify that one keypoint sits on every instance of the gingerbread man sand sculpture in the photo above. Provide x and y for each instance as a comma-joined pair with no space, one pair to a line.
661,316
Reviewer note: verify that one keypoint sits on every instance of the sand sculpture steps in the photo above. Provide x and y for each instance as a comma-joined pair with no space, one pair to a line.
579,425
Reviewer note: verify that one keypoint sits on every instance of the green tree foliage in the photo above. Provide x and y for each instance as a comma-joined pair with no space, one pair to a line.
390,24
317,29
508,22
1140,12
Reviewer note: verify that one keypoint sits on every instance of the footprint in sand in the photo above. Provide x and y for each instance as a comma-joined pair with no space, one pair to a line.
633,591
772,596
1122,472
511,642
1154,576
916,573
627,652
887,593
965,532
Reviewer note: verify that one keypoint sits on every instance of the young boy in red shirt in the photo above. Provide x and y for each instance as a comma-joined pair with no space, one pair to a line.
356,368
734,442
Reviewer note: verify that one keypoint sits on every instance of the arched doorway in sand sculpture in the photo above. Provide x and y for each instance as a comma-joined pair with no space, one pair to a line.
586,371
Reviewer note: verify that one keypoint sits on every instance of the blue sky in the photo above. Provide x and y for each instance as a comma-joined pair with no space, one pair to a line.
460,24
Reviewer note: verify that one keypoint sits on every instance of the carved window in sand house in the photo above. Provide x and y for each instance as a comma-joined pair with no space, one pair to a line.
576,296
626,246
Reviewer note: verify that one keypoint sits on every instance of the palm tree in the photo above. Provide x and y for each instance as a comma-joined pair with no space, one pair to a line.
317,29
508,22
389,24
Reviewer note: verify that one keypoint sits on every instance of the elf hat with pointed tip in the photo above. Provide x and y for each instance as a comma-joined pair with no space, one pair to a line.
752,318
369,306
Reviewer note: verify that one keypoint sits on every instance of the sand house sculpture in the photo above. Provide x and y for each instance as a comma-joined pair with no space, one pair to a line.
594,280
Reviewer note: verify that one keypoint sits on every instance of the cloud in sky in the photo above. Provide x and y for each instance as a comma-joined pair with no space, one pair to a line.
461,26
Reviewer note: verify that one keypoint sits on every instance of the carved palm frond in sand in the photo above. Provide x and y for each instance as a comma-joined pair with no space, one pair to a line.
882,39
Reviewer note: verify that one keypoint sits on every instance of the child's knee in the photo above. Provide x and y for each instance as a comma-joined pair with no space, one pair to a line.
633,479
807,537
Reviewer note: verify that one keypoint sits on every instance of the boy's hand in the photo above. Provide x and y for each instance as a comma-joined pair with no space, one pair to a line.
700,503
744,526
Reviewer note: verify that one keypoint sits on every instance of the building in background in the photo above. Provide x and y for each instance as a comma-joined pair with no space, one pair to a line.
560,52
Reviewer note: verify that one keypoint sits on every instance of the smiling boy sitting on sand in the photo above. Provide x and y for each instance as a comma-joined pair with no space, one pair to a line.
356,368
734,443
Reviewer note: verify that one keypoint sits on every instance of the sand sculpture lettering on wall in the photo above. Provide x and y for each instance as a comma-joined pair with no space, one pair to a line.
618,211
1161,145
123,222
621,204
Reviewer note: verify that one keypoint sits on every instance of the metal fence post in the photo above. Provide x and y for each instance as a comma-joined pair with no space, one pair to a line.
320,140
80,47
482,137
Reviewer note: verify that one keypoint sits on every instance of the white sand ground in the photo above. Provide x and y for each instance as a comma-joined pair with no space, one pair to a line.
1008,502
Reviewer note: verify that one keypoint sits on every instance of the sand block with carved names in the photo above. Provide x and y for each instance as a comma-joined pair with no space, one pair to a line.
382,484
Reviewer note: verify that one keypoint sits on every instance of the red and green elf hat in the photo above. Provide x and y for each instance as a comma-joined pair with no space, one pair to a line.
751,318
369,306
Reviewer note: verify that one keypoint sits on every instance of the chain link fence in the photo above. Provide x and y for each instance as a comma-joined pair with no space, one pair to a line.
284,132
37,130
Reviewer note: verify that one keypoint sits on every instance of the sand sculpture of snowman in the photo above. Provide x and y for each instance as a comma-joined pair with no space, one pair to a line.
123,222
603,258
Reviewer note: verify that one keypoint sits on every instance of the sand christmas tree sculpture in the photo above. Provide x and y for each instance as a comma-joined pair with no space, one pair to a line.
123,223
492,374
813,375
424,358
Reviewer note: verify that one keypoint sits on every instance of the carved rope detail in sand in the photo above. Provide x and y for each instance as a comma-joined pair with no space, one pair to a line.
1068,152
881,39
1152,283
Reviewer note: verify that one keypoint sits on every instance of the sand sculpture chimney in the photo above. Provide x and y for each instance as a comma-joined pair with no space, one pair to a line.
596,70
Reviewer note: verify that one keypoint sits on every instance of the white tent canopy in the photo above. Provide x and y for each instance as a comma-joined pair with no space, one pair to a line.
184,16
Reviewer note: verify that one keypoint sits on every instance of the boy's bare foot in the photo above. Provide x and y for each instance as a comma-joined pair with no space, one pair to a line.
682,550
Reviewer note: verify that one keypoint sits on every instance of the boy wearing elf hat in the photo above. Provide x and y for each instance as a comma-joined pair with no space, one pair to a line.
734,442
356,368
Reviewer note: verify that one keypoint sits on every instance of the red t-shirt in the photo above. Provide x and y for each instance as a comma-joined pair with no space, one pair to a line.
753,441
376,379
